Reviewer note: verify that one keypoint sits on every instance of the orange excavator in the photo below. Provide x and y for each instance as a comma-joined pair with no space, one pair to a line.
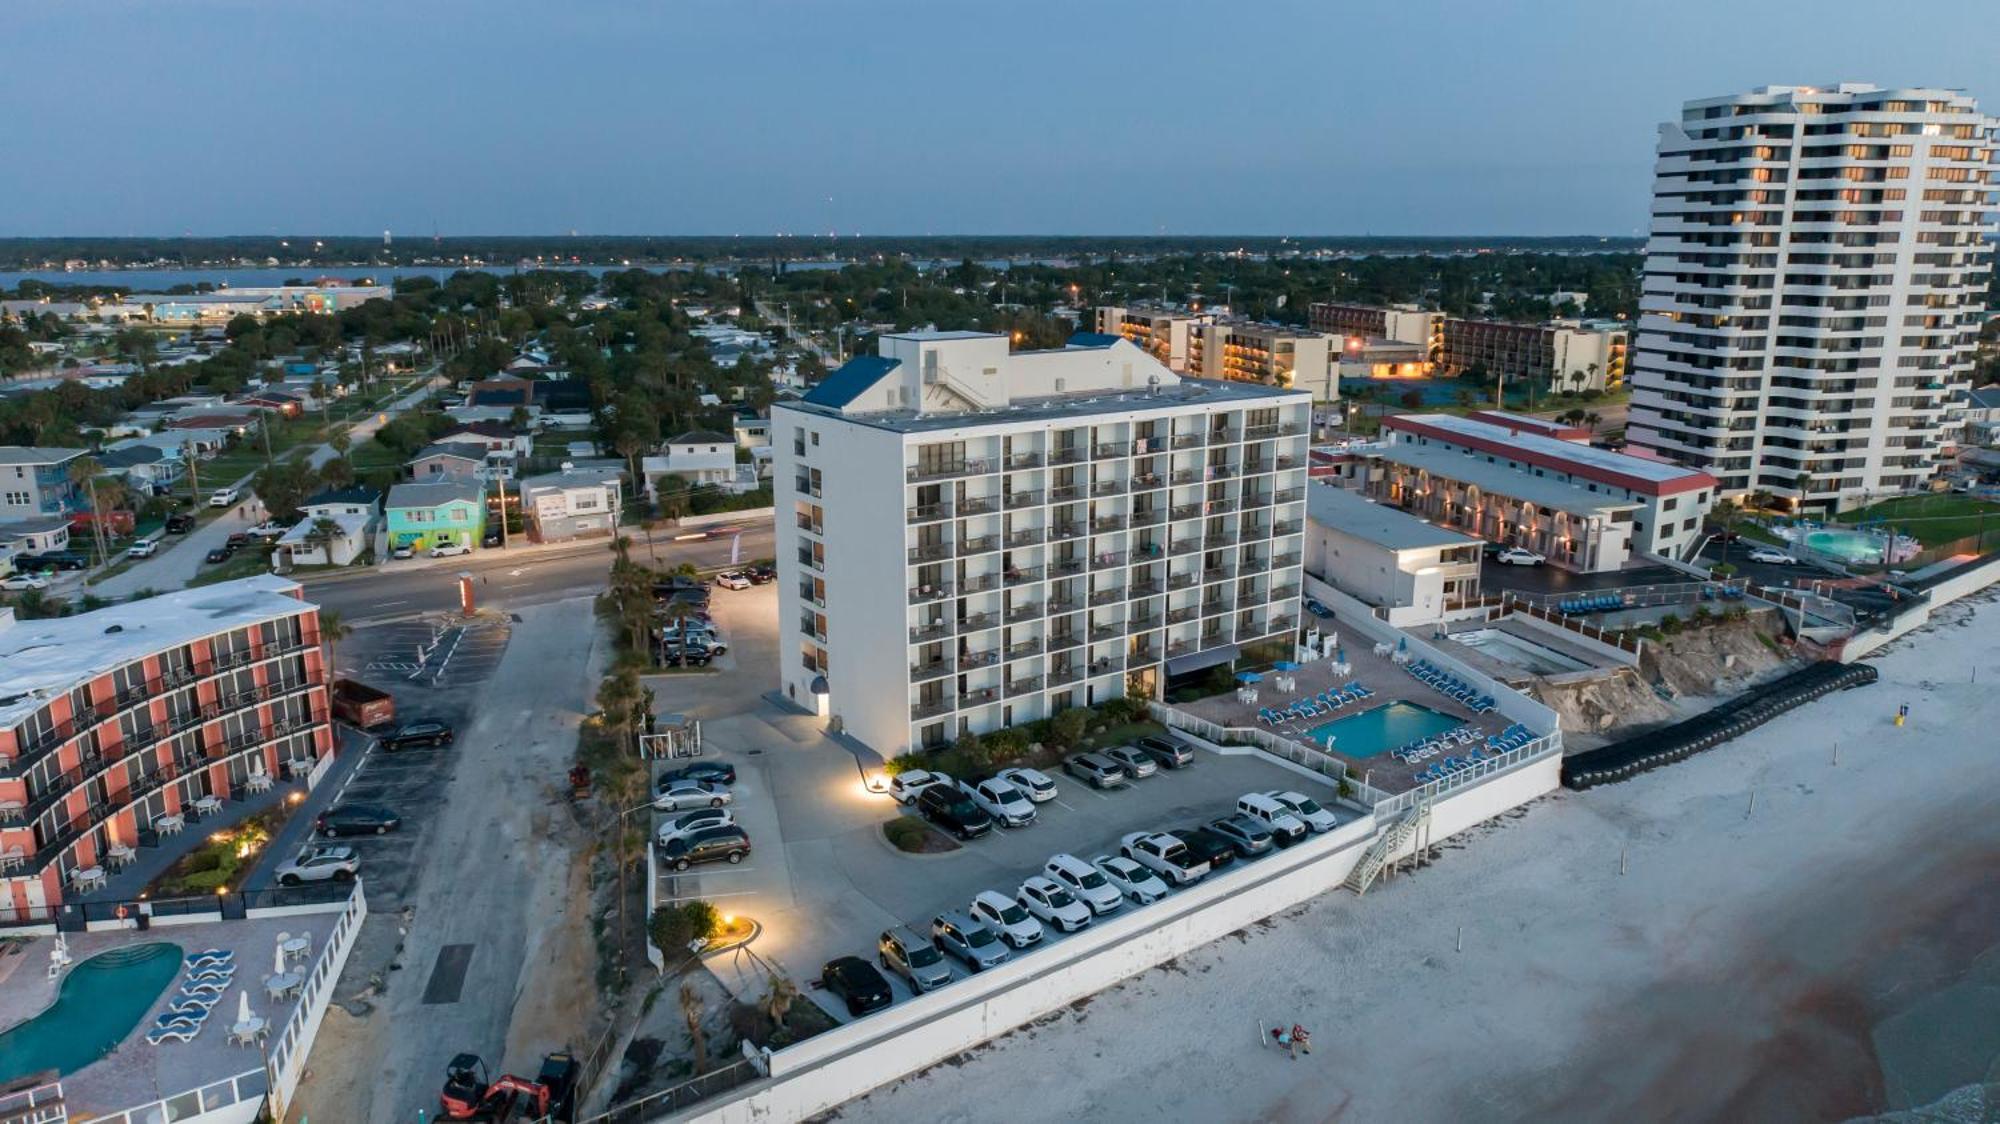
468,1095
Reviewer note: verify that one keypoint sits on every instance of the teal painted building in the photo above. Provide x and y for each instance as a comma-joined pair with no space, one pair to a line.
421,516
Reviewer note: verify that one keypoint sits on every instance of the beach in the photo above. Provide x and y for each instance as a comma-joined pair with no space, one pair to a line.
1806,926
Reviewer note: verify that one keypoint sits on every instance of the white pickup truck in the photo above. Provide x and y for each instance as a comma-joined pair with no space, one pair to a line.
1001,800
1163,855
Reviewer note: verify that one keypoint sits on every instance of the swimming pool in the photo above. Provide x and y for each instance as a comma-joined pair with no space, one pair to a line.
99,1003
1519,651
1383,729
1848,546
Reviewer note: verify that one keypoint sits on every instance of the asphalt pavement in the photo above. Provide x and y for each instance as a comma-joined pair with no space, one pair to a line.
512,579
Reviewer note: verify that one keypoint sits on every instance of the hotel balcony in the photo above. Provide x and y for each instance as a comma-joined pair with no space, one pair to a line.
928,512
949,470
933,669
930,708
925,593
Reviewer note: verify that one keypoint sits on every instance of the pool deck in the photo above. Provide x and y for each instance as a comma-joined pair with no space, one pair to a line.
137,1072
1514,674
1378,673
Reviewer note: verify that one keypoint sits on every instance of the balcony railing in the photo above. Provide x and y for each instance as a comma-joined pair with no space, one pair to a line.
1259,432
1024,649
1017,500
1022,575
1144,588
1222,506
1023,460
1284,593
1285,527
1220,538
1031,536
1145,623
1289,495
980,697
1143,654
977,505
1063,676
1149,517
1255,531
1256,499
1284,560
1023,686
1112,449
1065,567
1107,596
1102,489
1217,607
936,630
1188,440
1284,623
1148,481
1105,560
978,544
1068,493
1070,530
1070,454
1063,640
1179,581
1106,523
930,552
1106,665
1181,615
1103,632
1182,511
932,669
925,593
1218,574
985,657
947,470
928,512
1185,476
929,708
1057,606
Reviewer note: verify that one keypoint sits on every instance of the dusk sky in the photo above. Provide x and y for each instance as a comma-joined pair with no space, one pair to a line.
927,116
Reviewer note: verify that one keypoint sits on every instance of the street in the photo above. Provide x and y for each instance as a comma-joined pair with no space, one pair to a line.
513,579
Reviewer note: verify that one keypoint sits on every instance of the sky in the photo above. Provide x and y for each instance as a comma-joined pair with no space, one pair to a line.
881,117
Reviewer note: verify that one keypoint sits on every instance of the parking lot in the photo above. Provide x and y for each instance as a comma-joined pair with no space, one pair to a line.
821,880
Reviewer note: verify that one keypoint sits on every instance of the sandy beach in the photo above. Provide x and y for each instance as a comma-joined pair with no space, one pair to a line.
1830,951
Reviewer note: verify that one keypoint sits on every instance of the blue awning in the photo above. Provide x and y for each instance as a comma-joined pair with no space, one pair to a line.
1196,661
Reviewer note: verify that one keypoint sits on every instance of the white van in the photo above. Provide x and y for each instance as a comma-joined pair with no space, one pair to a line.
225,497
1285,827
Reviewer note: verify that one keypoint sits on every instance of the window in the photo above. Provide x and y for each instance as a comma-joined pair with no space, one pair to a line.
18,499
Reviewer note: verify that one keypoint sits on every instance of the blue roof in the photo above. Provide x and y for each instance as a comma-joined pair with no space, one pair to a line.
1093,339
851,381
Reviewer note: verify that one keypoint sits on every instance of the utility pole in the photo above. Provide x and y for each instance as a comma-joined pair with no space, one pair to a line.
503,509
194,476
264,423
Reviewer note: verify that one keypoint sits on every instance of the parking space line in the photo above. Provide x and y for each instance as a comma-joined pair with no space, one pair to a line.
1060,804
669,873
703,897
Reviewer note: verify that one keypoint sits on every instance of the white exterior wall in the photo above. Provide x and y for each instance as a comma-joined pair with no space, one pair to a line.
1866,306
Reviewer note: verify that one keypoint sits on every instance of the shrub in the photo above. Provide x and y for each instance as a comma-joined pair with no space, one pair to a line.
1670,624
1344,789
902,763
674,927
905,833
1067,729
1002,745
1702,614
1722,570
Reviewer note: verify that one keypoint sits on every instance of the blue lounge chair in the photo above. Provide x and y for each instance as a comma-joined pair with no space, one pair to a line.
211,955
178,1032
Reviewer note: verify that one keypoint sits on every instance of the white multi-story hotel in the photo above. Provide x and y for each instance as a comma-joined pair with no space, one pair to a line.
1813,286
970,539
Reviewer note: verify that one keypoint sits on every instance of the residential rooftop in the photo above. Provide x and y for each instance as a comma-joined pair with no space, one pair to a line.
40,658
31,454
1498,479
1387,527
1639,474
431,493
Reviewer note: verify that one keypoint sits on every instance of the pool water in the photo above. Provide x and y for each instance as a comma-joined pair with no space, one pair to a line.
1522,653
1382,729
1848,546
100,1001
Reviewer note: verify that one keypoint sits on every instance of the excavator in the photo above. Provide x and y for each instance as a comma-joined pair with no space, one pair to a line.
468,1095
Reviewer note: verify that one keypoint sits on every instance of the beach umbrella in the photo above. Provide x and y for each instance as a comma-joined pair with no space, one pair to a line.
1285,665
1403,644
278,951
1340,655
243,1006
1248,677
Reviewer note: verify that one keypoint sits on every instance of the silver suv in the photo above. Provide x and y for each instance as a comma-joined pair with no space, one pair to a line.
960,936
912,957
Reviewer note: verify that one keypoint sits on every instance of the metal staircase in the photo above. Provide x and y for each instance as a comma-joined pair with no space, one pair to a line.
1391,840
939,377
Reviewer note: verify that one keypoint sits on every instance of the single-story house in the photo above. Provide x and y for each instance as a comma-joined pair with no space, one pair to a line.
465,415
229,421
426,514
494,437
145,467
752,432
448,462
578,502
277,401
352,513
36,536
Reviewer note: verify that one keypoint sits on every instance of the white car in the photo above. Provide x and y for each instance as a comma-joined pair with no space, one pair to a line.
1047,900
1005,916
319,862
679,795
905,786
1131,879
688,823
17,583
450,550
1771,557
224,497
144,549
1033,782
1516,556
732,579
1307,810
1001,800
1085,881
403,551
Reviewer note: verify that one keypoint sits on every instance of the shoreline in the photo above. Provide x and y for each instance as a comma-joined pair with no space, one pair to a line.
1802,960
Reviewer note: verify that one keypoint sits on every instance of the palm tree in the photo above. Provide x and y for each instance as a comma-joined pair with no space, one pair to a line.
1726,514
778,999
1593,419
322,533
332,630
85,471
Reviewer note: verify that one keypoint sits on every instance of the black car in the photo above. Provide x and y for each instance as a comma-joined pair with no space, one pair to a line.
357,819
762,575
426,732
714,772
220,554
953,811
856,981
709,845
180,524
694,654
57,560
1205,844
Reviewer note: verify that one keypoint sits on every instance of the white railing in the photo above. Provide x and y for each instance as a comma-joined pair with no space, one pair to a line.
1476,771
1298,753
286,1059
250,1085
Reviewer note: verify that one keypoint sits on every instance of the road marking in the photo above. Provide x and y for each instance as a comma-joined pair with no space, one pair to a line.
701,897
384,604
1059,802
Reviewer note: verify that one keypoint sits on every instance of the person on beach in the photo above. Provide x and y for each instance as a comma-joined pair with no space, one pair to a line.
1284,1038
1301,1041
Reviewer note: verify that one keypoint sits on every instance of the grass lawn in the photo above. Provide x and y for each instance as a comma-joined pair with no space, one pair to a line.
1932,519
217,862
